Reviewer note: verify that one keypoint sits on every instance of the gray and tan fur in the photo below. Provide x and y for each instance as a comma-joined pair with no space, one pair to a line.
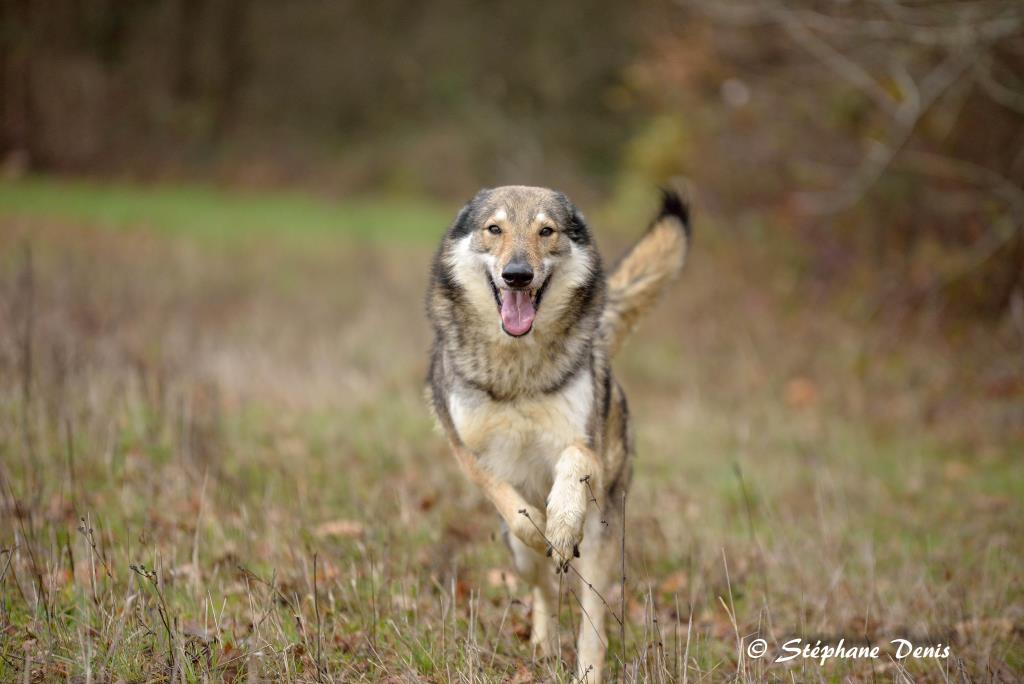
536,418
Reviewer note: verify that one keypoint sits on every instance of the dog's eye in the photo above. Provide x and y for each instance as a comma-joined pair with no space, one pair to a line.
546,230
494,230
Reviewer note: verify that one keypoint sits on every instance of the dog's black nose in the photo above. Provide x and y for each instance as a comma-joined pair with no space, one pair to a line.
517,274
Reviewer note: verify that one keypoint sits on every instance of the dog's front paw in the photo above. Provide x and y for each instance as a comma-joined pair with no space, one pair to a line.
527,526
564,534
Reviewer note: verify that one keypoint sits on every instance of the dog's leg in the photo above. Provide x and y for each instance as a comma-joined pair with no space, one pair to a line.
577,474
599,557
535,571
524,521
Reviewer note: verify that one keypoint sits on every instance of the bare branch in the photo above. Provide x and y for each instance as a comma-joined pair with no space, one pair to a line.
881,155
952,27
958,33
835,60
999,93
993,182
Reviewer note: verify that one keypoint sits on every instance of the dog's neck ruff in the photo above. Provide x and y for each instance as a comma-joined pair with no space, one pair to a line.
541,362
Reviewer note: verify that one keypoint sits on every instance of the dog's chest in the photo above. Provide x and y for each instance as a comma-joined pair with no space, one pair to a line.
519,441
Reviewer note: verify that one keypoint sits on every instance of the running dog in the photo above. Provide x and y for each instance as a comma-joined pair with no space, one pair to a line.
526,324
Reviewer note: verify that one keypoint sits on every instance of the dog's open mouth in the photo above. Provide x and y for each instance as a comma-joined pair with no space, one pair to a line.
518,307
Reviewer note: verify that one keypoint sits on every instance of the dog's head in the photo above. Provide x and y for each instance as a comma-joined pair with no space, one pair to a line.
516,243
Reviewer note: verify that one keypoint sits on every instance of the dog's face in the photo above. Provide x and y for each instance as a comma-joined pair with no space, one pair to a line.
515,240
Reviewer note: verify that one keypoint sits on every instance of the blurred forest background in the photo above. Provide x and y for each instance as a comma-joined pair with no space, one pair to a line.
216,221
885,135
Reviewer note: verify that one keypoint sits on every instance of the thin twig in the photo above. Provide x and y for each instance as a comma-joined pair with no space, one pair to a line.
319,624
622,622
569,566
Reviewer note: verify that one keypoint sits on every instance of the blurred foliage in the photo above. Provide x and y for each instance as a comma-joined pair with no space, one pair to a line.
885,137
356,95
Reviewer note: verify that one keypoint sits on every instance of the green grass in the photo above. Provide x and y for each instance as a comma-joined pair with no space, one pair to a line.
202,211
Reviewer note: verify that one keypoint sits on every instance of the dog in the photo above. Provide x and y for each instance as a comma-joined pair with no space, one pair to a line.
525,328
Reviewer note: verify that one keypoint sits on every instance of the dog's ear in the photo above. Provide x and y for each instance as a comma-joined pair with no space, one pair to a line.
461,226
576,226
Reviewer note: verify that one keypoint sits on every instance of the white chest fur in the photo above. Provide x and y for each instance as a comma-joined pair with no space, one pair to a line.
519,441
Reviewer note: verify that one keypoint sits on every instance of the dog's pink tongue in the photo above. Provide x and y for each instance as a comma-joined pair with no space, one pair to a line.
517,312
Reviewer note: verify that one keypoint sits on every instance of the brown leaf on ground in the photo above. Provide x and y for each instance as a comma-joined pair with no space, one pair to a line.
462,530
991,503
349,643
522,629
675,583
1006,387
801,393
522,675
956,471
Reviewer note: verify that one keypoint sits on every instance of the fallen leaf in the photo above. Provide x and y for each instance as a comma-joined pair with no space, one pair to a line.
522,675
348,643
1006,387
674,583
956,471
801,393
991,503
522,630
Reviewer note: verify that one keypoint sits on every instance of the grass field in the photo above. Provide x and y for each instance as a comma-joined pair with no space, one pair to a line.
217,464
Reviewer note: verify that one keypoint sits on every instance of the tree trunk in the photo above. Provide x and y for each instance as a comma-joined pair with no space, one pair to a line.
234,57
185,84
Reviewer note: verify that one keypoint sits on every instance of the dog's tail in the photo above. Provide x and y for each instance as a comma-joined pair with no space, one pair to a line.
646,270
